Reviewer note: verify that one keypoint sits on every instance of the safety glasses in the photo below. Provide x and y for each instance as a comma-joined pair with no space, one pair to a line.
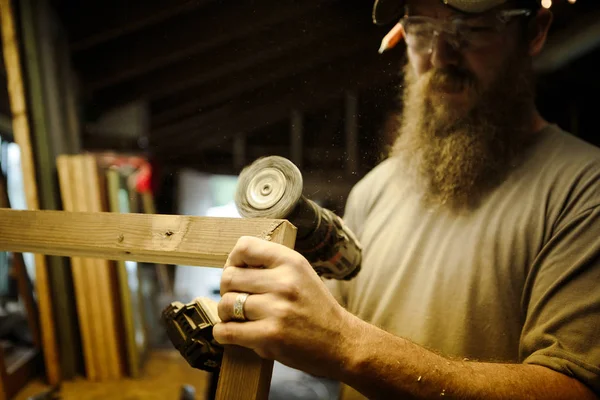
462,33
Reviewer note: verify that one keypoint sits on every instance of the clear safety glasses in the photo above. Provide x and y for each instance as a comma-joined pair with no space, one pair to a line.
462,33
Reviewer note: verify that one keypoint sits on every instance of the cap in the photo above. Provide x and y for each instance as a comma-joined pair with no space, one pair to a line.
386,11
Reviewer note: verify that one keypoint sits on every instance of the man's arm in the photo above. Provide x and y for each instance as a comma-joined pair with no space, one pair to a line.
383,366
294,319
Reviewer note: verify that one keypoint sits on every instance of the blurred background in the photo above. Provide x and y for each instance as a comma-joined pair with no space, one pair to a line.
170,99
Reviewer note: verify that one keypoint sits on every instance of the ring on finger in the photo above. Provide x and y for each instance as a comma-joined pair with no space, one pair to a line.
238,307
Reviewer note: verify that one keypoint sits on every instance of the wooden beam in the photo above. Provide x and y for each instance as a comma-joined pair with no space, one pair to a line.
244,375
354,73
22,133
83,283
290,72
285,46
47,137
92,23
167,239
181,37
265,49
158,239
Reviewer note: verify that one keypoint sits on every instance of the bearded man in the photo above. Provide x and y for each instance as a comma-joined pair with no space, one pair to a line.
481,235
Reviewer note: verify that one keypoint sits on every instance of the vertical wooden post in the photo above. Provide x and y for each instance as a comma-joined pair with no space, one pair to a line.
46,135
244,375
22,135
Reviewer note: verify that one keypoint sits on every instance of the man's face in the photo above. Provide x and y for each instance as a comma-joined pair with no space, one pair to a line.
458,76
465,110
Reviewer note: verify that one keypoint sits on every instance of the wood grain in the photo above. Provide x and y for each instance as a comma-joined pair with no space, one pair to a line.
92,291
66,171
244,375
113,179
107,286
169,239
22,134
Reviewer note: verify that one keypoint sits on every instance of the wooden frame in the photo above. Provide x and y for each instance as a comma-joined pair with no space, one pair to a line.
167,239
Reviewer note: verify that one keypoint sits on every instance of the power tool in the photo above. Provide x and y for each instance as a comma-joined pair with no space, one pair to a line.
271,187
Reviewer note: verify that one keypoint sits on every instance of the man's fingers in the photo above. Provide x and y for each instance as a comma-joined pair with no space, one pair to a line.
246,280
255,252
255,307
250,334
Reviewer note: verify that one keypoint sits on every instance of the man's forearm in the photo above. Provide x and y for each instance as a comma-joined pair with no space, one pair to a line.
383,366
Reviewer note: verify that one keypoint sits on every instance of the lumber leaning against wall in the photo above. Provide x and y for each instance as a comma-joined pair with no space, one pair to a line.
22,133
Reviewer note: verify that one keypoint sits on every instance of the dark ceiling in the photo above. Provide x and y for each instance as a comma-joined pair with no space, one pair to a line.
213,71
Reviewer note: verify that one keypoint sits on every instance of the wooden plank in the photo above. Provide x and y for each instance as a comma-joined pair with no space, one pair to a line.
113,179
244,375
22,134
106,285
153,238
41,80
92,290
169,239
83,296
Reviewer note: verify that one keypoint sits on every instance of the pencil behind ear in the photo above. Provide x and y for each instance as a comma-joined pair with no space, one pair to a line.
538,31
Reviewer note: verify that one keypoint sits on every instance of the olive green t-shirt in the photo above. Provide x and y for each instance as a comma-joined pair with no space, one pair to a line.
515,280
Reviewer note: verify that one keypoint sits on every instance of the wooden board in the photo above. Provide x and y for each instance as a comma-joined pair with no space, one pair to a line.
44,138
93,191
159,239
244,375
22,134
169,239
131,314
81,279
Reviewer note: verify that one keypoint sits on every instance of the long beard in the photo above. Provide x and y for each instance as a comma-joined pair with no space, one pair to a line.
459,153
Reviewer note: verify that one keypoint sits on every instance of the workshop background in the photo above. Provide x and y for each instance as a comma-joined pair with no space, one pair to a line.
178,96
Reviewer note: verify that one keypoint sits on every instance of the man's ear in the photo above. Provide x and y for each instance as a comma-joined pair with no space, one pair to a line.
538,31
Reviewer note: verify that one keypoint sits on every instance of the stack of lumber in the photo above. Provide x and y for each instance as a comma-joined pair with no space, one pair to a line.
95,280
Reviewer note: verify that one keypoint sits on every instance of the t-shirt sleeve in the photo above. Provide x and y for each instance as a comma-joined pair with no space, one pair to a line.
562,302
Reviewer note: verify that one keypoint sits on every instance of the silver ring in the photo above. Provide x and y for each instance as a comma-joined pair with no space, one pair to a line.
238,307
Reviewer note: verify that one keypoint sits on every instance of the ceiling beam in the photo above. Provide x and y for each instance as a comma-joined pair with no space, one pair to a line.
263,91
215,25
286,74
286,44
92,23
355,73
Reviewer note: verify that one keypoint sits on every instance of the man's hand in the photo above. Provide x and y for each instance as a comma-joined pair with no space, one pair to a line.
291,316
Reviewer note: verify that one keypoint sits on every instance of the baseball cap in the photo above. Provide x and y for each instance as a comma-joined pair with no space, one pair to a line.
386,11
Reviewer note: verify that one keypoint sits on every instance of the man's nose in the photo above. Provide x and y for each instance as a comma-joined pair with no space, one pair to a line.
443,52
